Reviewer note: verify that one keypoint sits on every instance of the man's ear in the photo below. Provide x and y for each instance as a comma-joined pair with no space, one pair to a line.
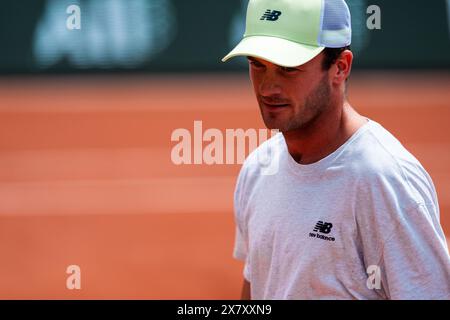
343,67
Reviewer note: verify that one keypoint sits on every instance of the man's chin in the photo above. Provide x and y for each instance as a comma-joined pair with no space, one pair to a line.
270,125
273,123
283,127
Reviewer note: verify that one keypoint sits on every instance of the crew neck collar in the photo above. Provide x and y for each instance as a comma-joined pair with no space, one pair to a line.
322,164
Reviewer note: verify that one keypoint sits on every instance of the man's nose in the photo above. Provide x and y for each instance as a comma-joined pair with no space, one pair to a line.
270,84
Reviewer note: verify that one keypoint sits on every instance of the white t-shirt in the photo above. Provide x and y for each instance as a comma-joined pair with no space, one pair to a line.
361,223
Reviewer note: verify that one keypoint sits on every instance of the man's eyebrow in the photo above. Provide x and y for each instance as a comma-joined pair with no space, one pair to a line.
251,59
297,67
300,67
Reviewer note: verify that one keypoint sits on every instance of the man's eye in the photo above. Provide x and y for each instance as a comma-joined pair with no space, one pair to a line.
286,69
256,64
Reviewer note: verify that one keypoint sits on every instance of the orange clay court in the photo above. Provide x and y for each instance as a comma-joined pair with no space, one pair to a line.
86,178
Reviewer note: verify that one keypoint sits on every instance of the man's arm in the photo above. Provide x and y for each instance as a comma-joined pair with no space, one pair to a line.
246,291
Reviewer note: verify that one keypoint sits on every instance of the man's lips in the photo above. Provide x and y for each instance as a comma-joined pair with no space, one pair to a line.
272,105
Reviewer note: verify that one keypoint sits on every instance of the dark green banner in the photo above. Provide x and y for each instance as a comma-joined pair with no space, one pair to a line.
63,36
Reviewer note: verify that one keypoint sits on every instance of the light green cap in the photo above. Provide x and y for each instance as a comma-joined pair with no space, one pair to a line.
292,32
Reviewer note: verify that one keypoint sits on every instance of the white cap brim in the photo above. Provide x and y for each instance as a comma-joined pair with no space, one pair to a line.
279,51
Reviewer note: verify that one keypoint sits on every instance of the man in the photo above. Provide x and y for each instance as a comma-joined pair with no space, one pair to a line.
348,213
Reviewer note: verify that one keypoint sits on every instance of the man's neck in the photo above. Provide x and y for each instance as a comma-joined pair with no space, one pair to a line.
325,135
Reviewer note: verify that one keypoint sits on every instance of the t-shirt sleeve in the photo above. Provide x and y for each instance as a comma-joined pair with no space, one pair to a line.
401,235
415,263
241,244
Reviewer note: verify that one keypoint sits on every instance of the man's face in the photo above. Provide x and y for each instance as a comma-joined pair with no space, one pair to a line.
290,98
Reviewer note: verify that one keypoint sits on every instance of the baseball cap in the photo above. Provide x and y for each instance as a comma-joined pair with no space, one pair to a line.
289,33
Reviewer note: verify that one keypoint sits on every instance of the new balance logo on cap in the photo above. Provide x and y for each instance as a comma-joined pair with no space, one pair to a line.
323,227
271,15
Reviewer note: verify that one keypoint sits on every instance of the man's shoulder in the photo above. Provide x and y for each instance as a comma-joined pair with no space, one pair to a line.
267,152
381,161
262,161
381,153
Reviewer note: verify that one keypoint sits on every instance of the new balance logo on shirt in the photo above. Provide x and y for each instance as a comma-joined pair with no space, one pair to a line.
322,227
271,15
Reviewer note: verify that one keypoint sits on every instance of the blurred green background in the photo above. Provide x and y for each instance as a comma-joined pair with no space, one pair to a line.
191,36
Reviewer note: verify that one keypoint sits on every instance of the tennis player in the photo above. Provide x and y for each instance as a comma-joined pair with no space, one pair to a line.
348,213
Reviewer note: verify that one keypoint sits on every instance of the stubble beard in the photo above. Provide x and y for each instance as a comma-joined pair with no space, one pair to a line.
315,104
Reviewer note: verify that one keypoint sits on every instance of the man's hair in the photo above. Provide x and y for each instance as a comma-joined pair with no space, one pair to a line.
331,55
